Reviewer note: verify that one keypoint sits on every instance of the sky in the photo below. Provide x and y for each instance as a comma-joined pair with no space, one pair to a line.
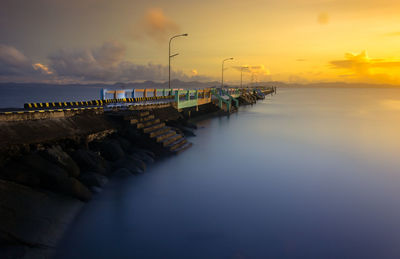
293,41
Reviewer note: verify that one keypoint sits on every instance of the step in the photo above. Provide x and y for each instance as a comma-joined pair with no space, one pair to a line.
175,145
154,127
147,118
144,114
147,123
133,121
165,136
171,139
158,132
183,148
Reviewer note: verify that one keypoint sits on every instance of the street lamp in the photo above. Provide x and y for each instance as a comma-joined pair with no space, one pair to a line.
222,79
171,56
241,74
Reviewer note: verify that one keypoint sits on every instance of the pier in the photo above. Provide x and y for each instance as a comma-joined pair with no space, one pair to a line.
59,154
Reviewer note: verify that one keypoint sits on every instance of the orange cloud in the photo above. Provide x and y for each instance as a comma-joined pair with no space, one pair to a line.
360,66
42,68
155,25
194,72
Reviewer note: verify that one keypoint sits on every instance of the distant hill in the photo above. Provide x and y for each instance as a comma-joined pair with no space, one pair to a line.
191,85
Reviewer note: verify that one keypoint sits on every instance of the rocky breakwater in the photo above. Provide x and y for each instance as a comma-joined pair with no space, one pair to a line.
50,167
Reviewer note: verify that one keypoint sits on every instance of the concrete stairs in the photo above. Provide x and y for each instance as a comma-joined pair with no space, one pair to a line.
247,98
167,137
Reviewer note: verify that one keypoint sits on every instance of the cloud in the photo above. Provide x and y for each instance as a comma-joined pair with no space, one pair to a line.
360,66
323,18
107,63
42,68
255,70
155,25
13,62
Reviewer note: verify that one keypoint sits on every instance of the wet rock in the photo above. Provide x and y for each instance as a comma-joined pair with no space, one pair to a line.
90,161
134,165
48,172
56,155
141,150
21,174
92,179
122,172
139,163
143,156
124,143
95,189
74,188
111,150
33,218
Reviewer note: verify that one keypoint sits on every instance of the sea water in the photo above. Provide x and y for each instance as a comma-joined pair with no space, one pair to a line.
306,173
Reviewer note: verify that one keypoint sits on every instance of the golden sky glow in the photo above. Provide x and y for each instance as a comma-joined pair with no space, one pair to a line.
292,41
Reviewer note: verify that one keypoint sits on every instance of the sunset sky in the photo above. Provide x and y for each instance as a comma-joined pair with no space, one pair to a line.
297,41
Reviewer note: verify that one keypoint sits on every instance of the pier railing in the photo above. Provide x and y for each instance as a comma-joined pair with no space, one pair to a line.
179,98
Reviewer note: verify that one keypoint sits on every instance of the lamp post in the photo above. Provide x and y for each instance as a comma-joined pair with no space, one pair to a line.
171,56
241,74
222,78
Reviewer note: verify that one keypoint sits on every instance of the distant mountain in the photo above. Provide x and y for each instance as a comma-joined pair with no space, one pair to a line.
181,84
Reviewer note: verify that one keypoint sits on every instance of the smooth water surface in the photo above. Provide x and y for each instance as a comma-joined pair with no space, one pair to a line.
307,173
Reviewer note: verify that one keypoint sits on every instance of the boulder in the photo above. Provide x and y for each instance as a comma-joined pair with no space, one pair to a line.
131,163
122,172
143,156
95,189
74,188
139,163
111,150
21,174
56,155
48,172
124,143
33,218
132,167
92,179
147,152
89,161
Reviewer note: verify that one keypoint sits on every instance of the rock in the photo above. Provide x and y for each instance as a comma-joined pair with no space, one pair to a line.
74,188
139,163
134,165
122,172
124,143
95,189
56,155
143,156
48,172
33,218
89,161
92,179
111,150
21,174
147,152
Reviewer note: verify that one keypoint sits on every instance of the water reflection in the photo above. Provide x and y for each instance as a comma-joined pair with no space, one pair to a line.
303,174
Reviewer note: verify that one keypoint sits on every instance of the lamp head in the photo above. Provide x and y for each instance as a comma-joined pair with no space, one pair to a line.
185,34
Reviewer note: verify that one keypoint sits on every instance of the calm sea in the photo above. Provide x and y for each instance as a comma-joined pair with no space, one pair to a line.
307,173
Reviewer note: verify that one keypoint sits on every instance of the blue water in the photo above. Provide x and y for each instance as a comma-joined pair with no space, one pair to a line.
307,173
